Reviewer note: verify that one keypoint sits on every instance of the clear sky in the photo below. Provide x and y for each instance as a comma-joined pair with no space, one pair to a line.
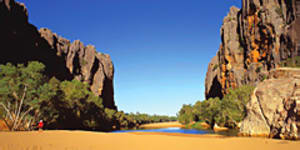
160,48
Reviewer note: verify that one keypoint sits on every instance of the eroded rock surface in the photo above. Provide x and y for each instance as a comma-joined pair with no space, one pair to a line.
255,40
22,42
274,108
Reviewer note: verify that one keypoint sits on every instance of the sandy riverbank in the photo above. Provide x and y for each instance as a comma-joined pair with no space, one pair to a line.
177,124
162,125
80,140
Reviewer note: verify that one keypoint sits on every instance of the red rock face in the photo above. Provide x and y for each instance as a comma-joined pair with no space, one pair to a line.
255,40
22,42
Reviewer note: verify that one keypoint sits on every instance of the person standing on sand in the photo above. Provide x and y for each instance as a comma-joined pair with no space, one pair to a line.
41,125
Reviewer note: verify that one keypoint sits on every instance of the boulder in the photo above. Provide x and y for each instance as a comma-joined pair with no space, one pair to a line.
217,128
273,110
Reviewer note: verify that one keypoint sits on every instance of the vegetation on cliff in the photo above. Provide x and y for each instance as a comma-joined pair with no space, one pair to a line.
291,62
227,112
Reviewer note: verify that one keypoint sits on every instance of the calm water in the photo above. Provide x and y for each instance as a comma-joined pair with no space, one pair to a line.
181,130
170,130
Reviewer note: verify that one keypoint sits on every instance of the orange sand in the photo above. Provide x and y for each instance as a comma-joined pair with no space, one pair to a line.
80,140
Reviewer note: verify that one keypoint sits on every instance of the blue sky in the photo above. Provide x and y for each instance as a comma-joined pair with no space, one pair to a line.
160,48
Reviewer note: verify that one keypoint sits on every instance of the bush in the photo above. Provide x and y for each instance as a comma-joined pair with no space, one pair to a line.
196,125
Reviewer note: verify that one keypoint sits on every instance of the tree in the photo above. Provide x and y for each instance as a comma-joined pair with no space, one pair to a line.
234,104
212,111
186,114
20,93
198,110
225,112
26,95
73,106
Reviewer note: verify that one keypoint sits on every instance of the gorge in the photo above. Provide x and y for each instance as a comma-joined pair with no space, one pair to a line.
260,45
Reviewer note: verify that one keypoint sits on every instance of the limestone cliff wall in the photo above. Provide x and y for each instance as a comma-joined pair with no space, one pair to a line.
255,39
21,42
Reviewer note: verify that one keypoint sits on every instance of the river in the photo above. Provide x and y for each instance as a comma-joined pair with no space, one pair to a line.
180,130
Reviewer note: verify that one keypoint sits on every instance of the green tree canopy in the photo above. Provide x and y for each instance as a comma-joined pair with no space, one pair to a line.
21,92
27,95
225,112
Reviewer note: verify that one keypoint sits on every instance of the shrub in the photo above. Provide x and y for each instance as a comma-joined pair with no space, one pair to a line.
215,67
291,62
241,48
83,62
258,69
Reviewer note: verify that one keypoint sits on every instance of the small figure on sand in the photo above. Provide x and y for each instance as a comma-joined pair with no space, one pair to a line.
41,125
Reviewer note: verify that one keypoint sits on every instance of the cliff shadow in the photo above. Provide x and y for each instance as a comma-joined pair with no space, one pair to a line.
216,91
21,42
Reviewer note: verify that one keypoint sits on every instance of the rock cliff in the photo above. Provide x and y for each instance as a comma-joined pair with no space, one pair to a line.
274,108
22,42
255,40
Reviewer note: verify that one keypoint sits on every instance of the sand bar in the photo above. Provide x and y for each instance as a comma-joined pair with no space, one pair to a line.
162,125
